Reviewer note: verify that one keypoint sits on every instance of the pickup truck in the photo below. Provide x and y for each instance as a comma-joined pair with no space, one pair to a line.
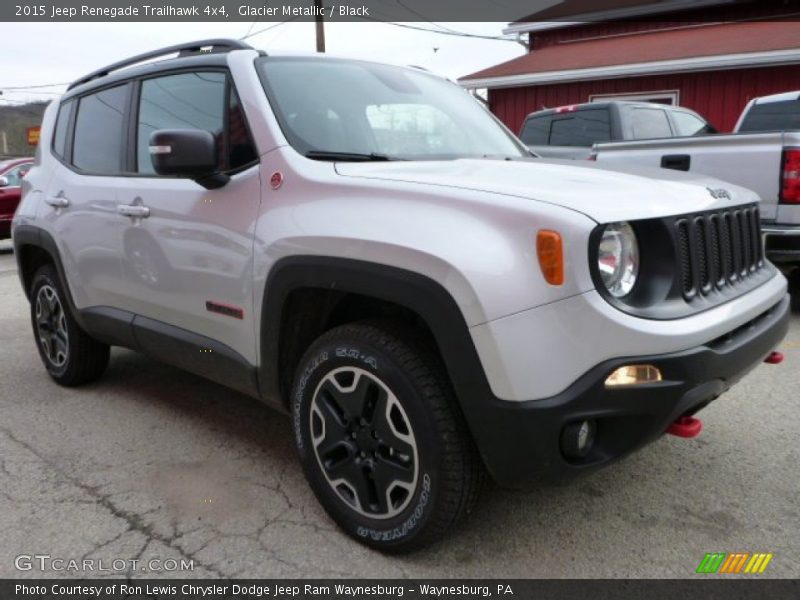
762,154
570,131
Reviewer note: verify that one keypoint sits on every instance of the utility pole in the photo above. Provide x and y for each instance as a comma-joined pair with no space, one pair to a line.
320,25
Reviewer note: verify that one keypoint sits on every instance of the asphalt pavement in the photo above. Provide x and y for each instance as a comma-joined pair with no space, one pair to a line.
158,466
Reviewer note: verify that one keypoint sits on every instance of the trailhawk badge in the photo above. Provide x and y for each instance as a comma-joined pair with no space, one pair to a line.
719,194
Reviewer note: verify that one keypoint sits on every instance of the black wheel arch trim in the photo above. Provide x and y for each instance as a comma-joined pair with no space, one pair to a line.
31,235
417,293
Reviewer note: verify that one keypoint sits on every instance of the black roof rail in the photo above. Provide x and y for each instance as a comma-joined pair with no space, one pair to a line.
216,46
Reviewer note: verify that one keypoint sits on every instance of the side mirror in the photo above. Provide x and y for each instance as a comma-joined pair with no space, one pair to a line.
189,153
4,182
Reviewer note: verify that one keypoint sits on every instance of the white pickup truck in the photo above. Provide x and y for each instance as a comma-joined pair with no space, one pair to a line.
762,154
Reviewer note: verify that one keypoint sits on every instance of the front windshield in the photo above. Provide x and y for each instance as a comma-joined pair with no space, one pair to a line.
361,110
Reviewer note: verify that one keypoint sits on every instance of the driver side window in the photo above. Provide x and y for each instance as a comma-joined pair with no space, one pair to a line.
197,100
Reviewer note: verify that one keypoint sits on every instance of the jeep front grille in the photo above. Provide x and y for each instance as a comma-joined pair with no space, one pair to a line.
715,250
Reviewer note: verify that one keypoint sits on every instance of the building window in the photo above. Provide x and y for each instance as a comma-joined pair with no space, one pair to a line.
669,97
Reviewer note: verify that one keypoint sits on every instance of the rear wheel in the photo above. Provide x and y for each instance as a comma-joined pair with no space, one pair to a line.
382,443
70,356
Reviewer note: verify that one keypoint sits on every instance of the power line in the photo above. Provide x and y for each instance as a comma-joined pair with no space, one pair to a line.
6,91
421,16
444,31
19,89
265,29
30,87
253,24
24,101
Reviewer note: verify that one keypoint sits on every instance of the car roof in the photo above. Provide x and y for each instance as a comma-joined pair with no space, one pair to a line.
10,163
783,97
81,87
606,104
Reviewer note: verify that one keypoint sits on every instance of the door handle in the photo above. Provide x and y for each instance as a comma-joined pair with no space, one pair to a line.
678,162
134,210
57,201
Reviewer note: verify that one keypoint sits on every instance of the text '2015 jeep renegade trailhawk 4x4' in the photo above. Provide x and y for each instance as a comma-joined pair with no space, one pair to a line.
367,248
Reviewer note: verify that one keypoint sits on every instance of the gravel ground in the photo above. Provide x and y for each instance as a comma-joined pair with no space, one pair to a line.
153,463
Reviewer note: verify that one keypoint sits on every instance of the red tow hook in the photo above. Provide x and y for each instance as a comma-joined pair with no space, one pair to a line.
691,427
686,427
774,358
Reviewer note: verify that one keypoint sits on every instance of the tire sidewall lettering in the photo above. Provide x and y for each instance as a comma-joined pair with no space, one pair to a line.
302,384
408,525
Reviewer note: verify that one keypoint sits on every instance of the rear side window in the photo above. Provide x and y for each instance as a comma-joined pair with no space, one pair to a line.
99,127
197,100
582,128
536,131
772,116
688,124
62,123
649,123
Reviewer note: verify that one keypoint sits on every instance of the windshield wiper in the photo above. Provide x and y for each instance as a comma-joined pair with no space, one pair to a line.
348,156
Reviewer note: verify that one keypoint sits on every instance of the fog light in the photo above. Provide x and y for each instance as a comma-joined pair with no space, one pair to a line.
577,439
633,375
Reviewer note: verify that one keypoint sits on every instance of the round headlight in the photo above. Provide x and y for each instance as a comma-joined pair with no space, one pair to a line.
618,259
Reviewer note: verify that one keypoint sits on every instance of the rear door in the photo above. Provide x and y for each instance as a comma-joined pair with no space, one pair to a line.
81,199
187,261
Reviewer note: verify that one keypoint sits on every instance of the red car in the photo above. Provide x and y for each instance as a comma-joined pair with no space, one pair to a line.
11,174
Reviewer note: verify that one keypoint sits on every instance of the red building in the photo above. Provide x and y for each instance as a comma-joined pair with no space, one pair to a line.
712,59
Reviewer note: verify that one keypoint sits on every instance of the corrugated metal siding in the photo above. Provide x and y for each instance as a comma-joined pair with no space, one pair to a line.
720,96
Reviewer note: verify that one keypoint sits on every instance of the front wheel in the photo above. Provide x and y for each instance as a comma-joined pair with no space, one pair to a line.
381,441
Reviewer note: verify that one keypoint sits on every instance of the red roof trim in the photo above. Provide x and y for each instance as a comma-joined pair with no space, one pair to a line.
676,44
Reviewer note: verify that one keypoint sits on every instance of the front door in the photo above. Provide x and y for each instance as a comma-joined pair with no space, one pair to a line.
187,251
81,199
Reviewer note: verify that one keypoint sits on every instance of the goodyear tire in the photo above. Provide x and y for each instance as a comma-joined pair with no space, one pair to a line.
70,356
381,440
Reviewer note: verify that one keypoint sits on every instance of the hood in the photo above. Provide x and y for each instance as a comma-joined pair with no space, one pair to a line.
602,194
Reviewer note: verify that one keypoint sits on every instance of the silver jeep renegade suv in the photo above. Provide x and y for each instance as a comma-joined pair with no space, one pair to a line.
367,249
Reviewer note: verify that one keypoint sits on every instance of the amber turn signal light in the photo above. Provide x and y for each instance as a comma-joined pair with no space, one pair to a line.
550,251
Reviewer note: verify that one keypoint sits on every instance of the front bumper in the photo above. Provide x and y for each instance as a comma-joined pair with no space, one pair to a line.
781,242
520,441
